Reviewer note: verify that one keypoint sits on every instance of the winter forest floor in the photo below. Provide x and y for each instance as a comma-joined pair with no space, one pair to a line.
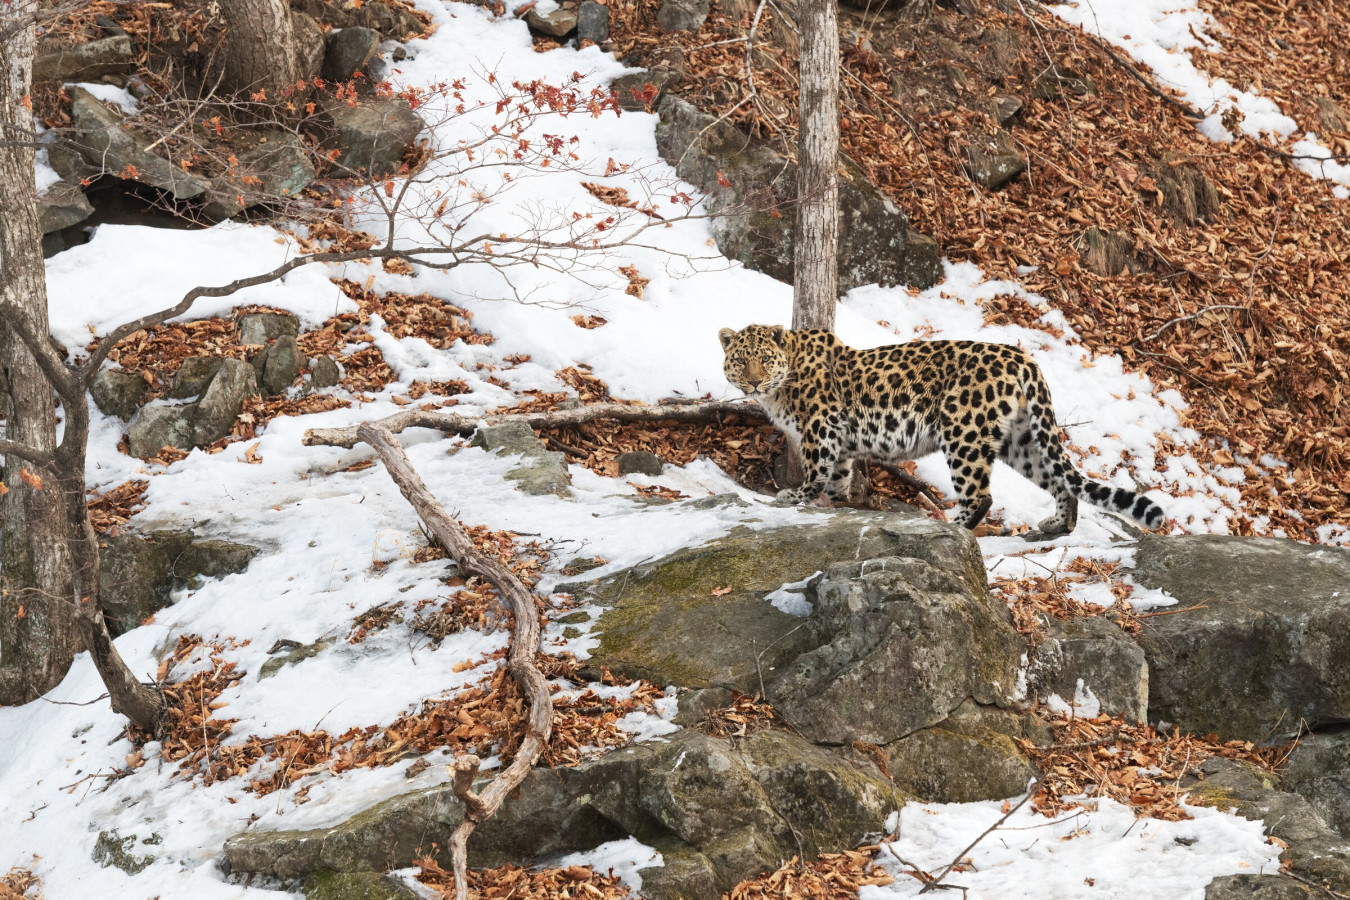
1210,371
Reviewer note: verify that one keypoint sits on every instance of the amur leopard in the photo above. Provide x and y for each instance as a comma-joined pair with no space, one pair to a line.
976,402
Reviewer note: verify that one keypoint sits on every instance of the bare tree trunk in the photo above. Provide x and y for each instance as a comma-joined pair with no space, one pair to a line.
260,47
38,636
816,251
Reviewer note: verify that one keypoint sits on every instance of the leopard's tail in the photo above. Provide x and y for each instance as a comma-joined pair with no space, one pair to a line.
1046,433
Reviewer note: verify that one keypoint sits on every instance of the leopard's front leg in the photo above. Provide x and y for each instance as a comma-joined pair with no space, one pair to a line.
819,458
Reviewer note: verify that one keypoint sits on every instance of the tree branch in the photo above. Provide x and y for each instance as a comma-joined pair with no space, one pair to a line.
453,423
26,453
520,663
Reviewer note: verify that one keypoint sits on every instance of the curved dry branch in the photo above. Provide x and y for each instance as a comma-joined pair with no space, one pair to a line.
520,663
453,423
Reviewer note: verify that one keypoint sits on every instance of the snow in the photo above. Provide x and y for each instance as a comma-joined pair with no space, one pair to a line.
791,597
621,858
1163,34
335,543
1099,852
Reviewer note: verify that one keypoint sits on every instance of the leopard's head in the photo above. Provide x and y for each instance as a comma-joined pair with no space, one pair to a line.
756,361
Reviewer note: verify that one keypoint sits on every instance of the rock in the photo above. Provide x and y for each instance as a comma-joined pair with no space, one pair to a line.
89,61
113,850
63,205
592,22
263,328
1006,109
222,402
643,462
372,136
1257,887
661,615
275,168
355,886
1314,850
1265,650
350,50
310,44
325,373
899,644
631,88
1093,652
393,23
281,365
1106,252
137,574
992,160
720,812
161,425
542,471
558,23
876,242
118,393
111,147
682,15
969,756
296,656
685,873
1319,770
194,376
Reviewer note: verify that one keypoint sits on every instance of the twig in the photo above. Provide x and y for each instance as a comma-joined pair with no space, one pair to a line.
1195,315
520,662
1170,612
928,886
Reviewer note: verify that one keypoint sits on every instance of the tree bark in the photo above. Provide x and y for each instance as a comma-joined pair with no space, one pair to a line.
815,254
38,634
260,47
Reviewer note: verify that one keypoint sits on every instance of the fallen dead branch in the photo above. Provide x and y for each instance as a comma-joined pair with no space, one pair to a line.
520,663
453,423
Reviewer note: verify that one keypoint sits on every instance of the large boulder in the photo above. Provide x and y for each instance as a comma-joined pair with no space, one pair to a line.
137,575
275,168
1319,770
1092,656
969,756
89,61
720,811
118,393
223,401
199,424
752,191
371,135
1260,640
111,146
63,205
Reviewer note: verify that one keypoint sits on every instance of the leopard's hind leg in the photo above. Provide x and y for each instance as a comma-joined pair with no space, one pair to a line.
1025,455
971,450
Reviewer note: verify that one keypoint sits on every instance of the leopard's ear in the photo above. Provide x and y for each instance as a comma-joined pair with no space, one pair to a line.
725,336
778,334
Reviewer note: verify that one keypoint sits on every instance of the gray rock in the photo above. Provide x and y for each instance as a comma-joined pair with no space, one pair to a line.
294,657
1267,646
325,373
263,328
559,23
393,23
969,756
876,243
993,160
283,363
271,170
631,88
592,22
350,50
194,376
642,462
1006,109
161,425
541,471
720,812
682,15
118,393
113,850
900,644
372,136
222,402
89,61
665,624
138,574
1257,887
355,886
1319,770
63,205
1093,650
110,146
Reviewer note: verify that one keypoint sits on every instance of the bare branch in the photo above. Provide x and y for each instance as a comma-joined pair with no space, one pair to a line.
26,453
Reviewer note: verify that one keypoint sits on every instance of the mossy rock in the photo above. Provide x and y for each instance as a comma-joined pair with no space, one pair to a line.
328,885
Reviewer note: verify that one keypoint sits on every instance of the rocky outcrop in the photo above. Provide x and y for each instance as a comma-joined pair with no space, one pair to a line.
110,146
197,424
1091,655
993,160
752,190
61,206
263,328
372,136
1260,639
137,574
719,812
276,167
1319,770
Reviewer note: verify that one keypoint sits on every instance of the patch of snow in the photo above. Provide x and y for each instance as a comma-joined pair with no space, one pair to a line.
1084,705
623,858
791,597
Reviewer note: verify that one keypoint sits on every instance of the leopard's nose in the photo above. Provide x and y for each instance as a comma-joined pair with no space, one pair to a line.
754,382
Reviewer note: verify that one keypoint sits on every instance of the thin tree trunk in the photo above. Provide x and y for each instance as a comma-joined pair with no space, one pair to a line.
260,47
38,635
817,241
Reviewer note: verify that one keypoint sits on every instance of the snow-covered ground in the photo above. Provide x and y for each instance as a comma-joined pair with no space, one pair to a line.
336,543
